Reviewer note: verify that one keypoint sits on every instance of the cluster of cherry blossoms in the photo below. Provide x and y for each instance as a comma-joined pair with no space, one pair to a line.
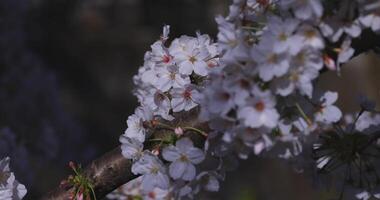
10,188
168,83
254,89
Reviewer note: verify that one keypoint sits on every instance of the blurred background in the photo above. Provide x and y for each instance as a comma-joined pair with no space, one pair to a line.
66,70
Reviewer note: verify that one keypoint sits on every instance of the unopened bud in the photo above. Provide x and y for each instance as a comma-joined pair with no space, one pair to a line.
178,131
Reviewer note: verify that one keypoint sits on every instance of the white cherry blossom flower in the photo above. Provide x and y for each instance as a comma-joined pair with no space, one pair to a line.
218,99
304,9
311,37
270,64
328,113
365,195
281,31
345,52
183,157
130,147
10,188
209,181
169,77
135,124
260,110
158,102
135,128
153,172
371,21
184,98
304,69
231,42
190,56
160,55
240,86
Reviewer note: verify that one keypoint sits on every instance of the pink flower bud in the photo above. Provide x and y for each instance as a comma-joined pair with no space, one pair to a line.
156,152
178,131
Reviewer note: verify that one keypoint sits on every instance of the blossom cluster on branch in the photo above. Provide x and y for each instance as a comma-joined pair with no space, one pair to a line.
255,88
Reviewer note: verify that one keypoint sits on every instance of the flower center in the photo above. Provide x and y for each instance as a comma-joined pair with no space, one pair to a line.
154,170
183,158
263,2
282,37
301,58
260,106
232,43
152,195
309,34
224,96
166,59
294,76
192,59
272,58
244,84
187,94
172,75
3,177
160,97
211,64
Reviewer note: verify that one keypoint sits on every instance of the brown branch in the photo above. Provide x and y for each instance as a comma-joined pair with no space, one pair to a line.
106,174
112,170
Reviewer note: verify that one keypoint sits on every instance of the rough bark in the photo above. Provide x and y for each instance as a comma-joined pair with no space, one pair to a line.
112,170
106,173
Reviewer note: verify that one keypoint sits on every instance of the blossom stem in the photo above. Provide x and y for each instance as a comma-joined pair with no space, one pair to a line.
92,191
165,126
195,130
251,28
303,114
156,140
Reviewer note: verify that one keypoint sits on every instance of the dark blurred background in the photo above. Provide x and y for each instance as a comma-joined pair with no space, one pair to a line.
66,70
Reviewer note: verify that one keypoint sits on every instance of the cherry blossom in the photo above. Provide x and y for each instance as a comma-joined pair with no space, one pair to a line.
304,9
190,56
169,77
10,188
184,98
130,147
153,172
328,113
255,88
183,157
260,110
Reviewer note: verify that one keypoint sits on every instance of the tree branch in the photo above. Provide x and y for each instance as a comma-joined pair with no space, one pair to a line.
112,170
106,174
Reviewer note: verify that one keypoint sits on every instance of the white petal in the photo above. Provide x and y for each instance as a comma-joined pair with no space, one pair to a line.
212,184
195,155
200,68
186,67
189,173
178,104
329,98
170,153
332,114
184,144
177,168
